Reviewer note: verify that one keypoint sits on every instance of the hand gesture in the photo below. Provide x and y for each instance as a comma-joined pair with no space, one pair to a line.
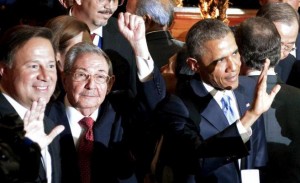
262,100
133,29
34,125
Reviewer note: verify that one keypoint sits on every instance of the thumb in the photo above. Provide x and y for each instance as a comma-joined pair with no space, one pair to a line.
54,133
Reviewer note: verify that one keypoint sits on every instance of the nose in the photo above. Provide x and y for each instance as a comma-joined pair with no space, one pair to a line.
91,83
109,3
43,74
232,64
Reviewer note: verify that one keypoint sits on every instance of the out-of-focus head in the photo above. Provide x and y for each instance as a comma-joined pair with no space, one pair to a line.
213,54
286,20
95,13
27,64
294,3
161,12
67,31
258,39
87,77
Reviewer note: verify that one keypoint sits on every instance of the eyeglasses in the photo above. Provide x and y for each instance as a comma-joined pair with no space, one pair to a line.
288,47
98,78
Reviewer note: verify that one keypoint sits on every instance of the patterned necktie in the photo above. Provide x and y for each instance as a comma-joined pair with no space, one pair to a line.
227,109
85,148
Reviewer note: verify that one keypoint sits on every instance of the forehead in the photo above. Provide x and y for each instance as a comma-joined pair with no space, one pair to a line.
287,32
219,48
91,62
35,47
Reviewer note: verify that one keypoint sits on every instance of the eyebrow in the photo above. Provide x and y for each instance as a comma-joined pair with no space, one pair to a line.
216,60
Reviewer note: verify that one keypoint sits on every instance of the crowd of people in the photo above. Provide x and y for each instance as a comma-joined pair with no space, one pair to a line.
100,91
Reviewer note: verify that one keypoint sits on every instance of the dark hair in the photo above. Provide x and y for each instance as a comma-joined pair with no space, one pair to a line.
203,31
15,37
279,12
257,39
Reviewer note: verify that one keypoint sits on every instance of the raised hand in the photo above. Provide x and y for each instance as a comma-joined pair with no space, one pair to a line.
263,100
34,125
133,29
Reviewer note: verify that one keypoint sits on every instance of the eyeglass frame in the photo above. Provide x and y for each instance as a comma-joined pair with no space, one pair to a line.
286,47
88,76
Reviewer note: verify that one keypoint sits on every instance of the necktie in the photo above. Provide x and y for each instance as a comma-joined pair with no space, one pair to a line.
95,36
85,148
227,109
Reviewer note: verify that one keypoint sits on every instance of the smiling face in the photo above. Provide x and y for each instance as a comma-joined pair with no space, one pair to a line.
220,64
87,96
32,74
95,13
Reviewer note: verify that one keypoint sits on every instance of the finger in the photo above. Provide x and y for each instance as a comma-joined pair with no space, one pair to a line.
121,20
40,112
56,131
274,91
264,71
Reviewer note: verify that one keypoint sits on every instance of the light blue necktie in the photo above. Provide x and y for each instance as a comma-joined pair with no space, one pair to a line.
227,109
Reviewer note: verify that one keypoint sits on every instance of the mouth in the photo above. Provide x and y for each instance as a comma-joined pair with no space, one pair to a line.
42,88
232,78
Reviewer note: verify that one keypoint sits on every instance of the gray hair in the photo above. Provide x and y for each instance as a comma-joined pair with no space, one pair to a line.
83,48
161,11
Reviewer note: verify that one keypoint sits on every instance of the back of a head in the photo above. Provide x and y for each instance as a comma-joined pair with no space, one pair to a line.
161,11
203,31
17,36
257,39
293,3
278,12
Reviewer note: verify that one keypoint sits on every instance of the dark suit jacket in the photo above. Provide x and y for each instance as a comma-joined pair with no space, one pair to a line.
162,46
293,79
122,56
285,110
7,109
207,150
284,67
112,160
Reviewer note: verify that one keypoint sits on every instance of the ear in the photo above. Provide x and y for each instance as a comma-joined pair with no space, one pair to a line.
192,63
78,2
148,21
2,68
110,84
59,63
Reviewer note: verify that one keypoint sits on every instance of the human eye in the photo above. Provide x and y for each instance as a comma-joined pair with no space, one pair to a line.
80,76
101,78
33,66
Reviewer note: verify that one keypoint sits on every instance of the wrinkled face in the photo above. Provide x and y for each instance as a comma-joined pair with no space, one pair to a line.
288,34
33,72
88,94
95,13
131,6
220,65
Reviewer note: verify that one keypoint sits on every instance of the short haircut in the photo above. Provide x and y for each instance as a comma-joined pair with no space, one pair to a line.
257,39
84,48
161,11
279,12
14,38
203,31
64,28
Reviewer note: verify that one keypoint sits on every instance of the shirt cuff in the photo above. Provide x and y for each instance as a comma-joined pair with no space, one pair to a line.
145,68
245,133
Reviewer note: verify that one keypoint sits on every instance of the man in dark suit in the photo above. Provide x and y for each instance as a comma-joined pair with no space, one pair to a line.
87,79
158,16
202,144
28,78
107,36
286,20
258,40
